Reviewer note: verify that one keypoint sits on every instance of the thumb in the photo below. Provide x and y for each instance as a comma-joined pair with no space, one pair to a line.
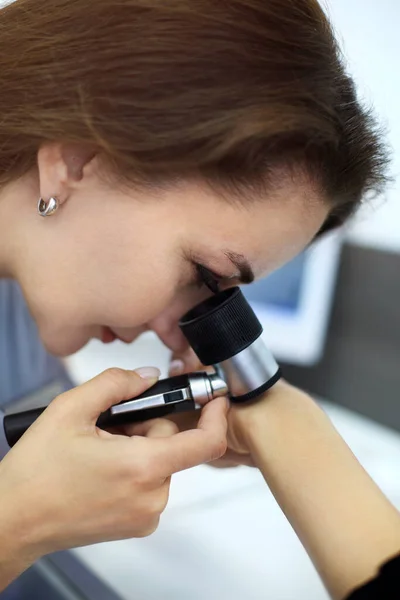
85,403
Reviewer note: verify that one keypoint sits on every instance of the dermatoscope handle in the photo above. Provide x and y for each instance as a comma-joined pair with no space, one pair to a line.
15,425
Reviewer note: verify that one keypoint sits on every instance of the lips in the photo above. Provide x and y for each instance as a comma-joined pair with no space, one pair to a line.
107,335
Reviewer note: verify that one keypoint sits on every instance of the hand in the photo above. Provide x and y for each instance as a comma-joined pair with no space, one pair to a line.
237,452
67,483
242,419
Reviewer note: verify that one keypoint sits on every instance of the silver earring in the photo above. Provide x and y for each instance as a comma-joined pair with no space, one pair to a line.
46,209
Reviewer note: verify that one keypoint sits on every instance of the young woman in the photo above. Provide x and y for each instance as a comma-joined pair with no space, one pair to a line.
146,148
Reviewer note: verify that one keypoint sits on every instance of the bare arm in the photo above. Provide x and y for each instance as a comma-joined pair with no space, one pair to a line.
342,518
15,553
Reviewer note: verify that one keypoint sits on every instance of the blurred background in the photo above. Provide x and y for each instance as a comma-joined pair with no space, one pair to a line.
332,318
359,368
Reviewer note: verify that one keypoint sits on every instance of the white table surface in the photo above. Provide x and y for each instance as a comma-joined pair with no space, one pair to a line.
223,537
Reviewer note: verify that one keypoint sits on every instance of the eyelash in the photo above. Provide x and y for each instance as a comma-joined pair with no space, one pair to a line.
206,277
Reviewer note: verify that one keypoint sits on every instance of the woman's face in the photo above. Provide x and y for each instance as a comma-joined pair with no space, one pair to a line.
120,263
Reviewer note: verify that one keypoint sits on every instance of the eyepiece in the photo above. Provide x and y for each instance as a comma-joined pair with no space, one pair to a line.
221,327
225,332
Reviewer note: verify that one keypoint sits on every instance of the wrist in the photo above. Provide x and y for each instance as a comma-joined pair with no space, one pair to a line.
20,541
322,489
15,552
281,416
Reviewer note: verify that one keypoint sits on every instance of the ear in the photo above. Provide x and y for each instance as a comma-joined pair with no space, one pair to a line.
62,168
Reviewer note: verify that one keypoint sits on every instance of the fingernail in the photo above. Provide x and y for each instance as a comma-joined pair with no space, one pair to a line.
148,373
177,367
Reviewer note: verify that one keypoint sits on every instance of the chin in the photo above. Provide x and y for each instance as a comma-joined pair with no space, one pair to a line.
63,345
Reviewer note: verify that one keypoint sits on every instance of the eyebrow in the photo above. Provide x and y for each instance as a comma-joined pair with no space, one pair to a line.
243,266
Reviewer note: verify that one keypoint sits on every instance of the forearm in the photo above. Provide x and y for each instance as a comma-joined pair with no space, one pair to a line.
10,565
16,554
344,521
23,530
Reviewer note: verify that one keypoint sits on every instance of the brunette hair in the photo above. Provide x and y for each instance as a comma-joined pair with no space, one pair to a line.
179,88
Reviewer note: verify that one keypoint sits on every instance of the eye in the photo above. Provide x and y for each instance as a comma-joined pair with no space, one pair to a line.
206,277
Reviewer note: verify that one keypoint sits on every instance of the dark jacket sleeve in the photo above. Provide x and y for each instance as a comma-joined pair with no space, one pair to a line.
385,587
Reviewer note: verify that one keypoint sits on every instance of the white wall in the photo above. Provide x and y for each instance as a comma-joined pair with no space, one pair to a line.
370,33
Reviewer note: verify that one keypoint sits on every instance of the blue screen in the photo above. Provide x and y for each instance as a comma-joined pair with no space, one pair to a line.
282,289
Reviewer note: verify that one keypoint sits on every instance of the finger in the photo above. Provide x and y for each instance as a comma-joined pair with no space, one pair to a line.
183,421
158,428
85,403
186,362
186,420
161,428
176,367
191,448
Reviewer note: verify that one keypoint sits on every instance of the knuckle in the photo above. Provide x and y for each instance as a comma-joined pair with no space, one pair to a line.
59,403
115,377
159,504
150,527
164,428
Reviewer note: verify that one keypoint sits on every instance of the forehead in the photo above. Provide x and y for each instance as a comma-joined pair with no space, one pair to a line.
268,230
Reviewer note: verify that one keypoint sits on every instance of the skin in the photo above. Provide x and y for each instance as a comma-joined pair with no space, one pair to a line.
108,485
123,258
345,523
94,485
317,481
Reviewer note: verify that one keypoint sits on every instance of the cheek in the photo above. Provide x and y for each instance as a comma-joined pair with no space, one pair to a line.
61,339
118,284
130,297
119,276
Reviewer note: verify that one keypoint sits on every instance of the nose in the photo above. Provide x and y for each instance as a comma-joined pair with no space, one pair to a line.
167,329
166,324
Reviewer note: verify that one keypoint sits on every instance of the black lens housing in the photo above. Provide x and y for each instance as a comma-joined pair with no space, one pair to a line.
221,326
